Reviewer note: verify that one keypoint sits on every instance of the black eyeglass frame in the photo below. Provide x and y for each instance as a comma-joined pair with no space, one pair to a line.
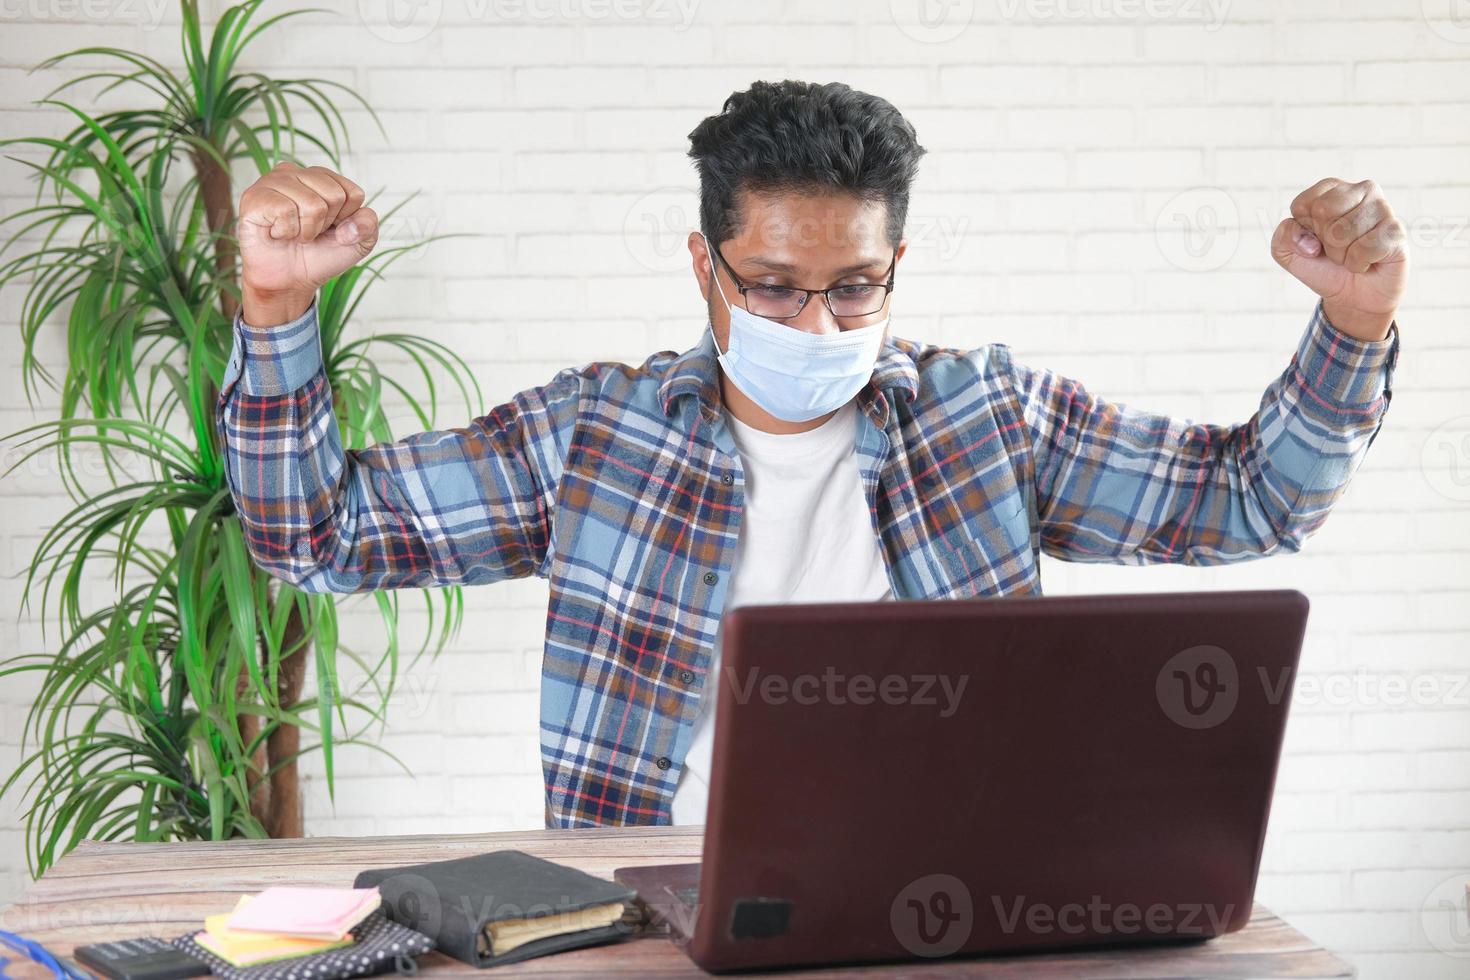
745,287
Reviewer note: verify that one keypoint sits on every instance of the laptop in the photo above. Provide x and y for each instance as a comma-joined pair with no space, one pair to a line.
923,779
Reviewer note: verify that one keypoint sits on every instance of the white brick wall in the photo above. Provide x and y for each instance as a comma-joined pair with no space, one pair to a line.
1063,137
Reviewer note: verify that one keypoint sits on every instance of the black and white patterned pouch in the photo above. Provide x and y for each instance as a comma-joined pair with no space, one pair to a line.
378,944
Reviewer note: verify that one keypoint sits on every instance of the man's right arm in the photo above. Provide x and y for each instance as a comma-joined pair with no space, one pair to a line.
451,507
455,507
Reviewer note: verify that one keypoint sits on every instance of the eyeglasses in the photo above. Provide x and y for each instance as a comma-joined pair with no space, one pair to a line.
60,967
785,302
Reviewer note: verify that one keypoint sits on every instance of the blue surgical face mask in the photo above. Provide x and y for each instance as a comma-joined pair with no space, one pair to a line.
794,375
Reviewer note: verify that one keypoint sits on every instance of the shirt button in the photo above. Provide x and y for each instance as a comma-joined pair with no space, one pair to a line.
727,479
686,677
710,578
663,762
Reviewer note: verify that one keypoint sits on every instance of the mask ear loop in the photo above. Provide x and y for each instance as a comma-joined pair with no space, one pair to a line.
714,275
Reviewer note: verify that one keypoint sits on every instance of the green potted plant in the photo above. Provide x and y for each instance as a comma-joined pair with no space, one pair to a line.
176,710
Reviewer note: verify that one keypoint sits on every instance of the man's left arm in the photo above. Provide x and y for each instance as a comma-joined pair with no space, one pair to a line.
1117,484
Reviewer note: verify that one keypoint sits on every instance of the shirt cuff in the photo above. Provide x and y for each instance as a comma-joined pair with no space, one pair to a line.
1344,371
274,360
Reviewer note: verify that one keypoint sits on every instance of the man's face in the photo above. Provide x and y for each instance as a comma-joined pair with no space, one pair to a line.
793,239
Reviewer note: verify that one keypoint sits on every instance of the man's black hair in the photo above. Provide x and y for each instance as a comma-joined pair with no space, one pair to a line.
803,137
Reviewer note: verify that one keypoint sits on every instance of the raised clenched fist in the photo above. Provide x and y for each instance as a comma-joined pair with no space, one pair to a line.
298,228
1344,242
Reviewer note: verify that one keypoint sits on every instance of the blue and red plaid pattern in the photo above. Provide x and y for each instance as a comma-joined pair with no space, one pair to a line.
623,487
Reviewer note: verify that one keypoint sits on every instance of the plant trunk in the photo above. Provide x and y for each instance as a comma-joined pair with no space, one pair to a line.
275,802
219,212
284,741
260,787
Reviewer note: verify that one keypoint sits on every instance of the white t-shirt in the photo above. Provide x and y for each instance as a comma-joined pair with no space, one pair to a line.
805,536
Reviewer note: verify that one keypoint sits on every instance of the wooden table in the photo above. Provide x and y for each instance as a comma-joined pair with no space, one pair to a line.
112,891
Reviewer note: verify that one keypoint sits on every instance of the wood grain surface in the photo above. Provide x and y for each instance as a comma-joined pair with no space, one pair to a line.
113,891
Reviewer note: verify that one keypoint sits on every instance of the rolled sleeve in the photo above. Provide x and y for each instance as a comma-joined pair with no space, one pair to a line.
1344,373
1116,483
274,360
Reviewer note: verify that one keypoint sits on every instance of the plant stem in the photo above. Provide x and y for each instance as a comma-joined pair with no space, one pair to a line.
276,804
284,741
219,211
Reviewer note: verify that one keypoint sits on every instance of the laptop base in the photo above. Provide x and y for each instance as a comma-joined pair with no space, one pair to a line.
668,895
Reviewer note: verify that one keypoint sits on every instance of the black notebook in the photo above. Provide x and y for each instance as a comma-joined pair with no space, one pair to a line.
503,907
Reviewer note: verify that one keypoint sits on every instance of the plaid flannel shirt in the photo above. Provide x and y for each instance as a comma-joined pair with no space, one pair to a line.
623,487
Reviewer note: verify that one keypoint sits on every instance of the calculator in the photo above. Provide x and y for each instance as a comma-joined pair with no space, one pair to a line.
145,958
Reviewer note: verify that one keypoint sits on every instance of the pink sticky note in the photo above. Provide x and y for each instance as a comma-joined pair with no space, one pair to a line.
296,910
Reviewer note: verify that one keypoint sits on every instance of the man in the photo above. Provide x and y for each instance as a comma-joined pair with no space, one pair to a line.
797,452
